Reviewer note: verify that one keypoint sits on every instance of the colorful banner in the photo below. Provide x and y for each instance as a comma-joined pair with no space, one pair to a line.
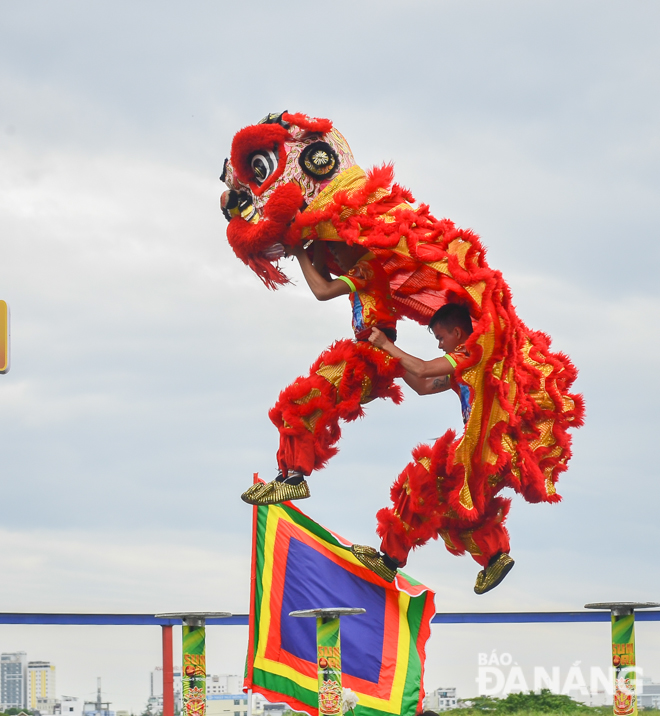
297,564
194,670
623,660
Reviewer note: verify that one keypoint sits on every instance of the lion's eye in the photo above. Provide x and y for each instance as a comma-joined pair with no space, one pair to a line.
263,164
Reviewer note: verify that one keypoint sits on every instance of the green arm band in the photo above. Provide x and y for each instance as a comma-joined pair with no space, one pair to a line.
351,285
451,359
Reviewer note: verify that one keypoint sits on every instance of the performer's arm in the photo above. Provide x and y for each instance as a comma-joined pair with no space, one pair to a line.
428,386
417,367
321,287
319,260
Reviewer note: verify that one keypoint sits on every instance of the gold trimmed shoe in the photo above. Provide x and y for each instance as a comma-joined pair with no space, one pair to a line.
275,492
252,492
373,560
494,573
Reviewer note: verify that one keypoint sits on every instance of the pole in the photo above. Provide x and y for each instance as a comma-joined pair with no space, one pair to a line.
328,655
328,651
193,672
193,676
623,653
623,660
168,672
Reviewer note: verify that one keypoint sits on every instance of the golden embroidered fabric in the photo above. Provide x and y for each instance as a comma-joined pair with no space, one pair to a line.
470,544
313,393
425,462
366,389
332,373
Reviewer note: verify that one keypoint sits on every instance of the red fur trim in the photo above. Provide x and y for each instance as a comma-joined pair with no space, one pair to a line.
305,450
380,222
526,386
310,124
248,240
249,140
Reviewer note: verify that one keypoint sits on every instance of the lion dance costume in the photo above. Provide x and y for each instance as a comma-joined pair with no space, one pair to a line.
291,180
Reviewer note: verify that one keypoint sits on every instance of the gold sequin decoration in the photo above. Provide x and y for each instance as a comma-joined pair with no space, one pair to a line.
459,248
508,445
541,396
447,539
546,438
366,389
310,422
313,393
476,290
350,180
440,266
425,462
464,452
468,541
497,369
332,373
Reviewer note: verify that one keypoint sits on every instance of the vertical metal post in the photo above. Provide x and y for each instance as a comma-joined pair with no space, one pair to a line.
193,672
168,671
623,653
328,655
193,676
623,660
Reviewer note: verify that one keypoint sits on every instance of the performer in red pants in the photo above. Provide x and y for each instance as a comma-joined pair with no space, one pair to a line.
344,377
421,509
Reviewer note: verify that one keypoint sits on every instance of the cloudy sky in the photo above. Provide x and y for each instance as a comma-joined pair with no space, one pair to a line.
145,355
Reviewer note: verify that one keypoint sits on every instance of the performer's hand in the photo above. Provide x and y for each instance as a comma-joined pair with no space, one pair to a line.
378,338
296,250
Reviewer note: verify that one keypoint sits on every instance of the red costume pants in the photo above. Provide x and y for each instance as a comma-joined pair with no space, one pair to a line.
344,377
420,512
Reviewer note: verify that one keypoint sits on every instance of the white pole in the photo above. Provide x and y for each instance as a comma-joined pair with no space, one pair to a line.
249,700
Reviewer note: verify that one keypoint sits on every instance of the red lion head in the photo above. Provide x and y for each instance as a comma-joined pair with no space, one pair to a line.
276,169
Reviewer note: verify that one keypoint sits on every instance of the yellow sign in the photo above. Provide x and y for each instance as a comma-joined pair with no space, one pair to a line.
4,337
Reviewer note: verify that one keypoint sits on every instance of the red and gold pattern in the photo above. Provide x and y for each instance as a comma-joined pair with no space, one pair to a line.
522,407
344,377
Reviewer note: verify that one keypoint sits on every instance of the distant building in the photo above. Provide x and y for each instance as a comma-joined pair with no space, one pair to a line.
224,695
69,706
40,684
98,707
13,691
262,707
227,686
48,706
226,704
440,700
155,700
648,695
224,684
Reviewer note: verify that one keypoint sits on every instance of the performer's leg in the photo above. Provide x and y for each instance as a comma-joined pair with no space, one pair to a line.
307,413
486,539
341,381
411,521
